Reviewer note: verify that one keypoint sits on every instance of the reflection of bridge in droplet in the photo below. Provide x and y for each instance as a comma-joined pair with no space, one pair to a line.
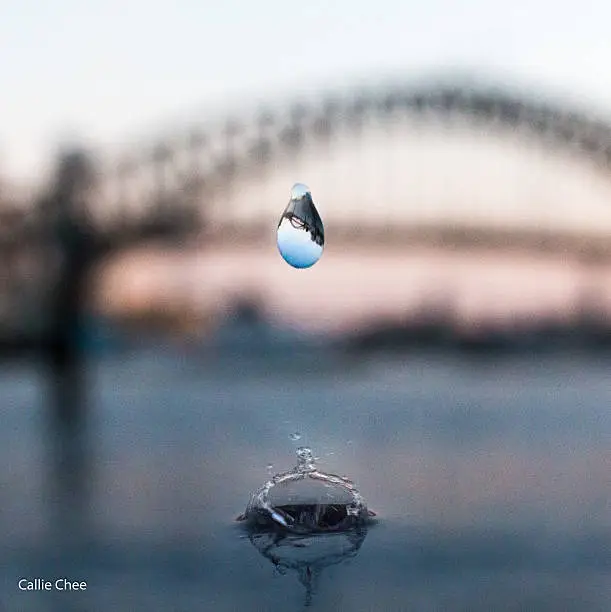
300,234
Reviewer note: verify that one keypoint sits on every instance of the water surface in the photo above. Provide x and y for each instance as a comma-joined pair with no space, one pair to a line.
491,483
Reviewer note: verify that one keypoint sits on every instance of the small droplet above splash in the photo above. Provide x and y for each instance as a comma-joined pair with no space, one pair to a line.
300,235
305,454
305,459
295,436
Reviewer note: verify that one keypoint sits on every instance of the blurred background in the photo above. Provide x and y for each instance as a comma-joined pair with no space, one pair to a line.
449,352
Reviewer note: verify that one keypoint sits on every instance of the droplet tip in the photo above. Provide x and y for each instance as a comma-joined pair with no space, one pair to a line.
299,190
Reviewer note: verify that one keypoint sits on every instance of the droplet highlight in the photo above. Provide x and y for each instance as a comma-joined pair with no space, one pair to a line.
295,436
300,235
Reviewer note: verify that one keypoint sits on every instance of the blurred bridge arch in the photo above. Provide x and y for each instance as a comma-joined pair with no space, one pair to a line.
237,171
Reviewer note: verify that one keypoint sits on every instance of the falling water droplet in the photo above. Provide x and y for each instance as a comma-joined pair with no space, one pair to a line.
301,235
270,467
295,436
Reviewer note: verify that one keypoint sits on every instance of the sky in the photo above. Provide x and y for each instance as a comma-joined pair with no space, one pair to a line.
108,70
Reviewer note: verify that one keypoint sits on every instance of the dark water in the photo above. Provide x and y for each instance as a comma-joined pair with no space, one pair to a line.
491,481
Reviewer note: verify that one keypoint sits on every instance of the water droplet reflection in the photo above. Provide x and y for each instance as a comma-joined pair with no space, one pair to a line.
300,235
309,555
295,436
